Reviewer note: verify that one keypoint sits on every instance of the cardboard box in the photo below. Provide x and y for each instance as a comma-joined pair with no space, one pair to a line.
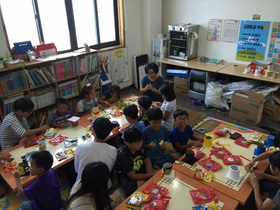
181,85
247,106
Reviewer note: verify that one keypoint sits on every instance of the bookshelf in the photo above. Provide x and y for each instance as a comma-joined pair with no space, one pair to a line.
43,81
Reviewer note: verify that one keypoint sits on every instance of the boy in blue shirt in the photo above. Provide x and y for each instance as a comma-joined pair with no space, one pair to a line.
152,135
131,115
145,103
182,132
44,193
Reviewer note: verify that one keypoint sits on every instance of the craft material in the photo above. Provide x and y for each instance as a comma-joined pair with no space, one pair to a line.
210,165
206,206
155,191
31,142
198,154
25,164
136,200
159,204
200,129
166,146
71,142
235,135
221,132
61,155
203,174
57,140
234,173
208,141
167,168
189,157
42,144
219,152
205,195
260,149
270,141
50,133
242,142
10,165
232,160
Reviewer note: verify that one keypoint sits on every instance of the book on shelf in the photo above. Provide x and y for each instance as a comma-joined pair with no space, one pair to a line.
65,69
8,103
69,88
43,96
12,82
87,64
43,117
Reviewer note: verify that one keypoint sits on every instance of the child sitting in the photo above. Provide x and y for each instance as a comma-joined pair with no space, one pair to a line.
14,128
145,103
111,96
168,106
268,183
89,100
97,150
131,113
92,191
152,136
62,113
182,132
133,163
44,193
270,202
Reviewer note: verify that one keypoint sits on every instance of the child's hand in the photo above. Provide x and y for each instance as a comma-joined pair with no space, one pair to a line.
200,139
249,165
152,145
197,144
259,175
158,104
122,130
16,174
99,106
44,128
254,180
106,103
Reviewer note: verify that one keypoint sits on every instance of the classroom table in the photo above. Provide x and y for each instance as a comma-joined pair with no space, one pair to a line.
193,64
238,191
179,192
70,132
227,68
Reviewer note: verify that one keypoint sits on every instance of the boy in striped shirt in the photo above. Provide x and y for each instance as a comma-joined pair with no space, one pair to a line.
14,128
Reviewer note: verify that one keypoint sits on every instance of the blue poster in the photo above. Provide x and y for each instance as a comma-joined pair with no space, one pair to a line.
252,40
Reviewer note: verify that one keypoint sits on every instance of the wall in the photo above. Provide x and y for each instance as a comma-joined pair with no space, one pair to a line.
198,12
142,23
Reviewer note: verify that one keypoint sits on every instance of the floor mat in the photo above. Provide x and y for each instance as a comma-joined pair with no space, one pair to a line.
194,116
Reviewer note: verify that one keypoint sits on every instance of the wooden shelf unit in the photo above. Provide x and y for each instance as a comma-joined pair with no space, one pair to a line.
74,57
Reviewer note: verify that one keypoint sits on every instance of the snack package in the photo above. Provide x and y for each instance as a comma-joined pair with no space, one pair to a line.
136,200
210,165
50,133
219,152
71,142
159,204
221,132
242,142
155,191
232,160
70,151
61,155
57,140
117,112
198,154
206,206
167,147
205,195
31,142
204,175
253,137
235,135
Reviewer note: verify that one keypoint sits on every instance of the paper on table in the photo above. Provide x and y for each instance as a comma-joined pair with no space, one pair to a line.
73,119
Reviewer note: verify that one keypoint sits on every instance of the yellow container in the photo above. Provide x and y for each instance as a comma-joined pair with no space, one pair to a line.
208,141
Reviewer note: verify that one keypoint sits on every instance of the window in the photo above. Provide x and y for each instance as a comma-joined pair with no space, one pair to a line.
67,23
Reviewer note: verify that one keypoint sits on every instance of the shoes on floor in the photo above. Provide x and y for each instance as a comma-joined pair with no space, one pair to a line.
222,109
